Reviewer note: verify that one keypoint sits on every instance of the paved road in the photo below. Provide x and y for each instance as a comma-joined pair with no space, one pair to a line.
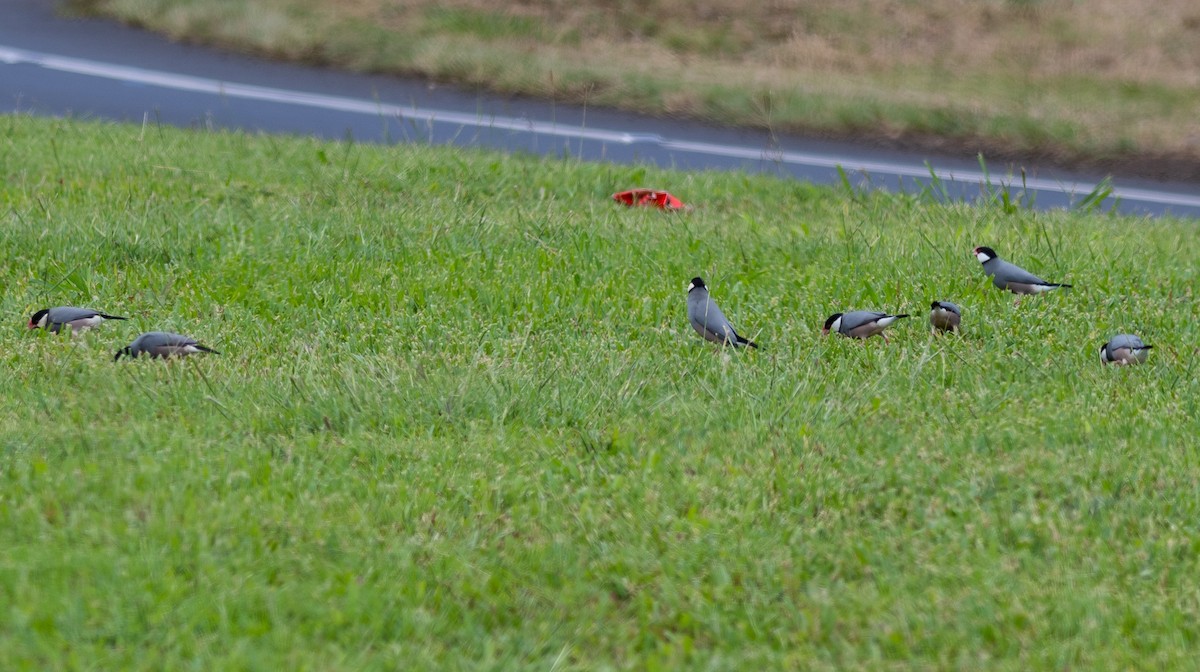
94,68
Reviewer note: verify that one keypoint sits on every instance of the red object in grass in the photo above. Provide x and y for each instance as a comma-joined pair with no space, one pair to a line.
648,197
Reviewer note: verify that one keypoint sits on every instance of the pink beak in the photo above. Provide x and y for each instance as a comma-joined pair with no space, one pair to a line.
31,325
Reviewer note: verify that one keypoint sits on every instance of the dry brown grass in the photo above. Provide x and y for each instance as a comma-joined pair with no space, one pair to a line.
1118,39
1104,80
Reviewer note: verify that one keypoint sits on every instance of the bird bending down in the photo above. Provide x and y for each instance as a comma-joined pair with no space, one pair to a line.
708,320
1124,349
945,316
162,344
860,324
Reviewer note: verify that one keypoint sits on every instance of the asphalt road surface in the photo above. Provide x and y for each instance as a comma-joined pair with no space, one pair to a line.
90,68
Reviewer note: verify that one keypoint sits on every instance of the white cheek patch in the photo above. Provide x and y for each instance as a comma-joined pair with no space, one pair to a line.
982,257
836,326
42,322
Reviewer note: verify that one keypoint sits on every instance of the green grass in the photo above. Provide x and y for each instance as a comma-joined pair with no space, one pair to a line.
461,421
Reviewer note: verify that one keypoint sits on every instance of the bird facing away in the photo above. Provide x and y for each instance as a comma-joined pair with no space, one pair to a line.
162,344
76,320
1010,276
708,320
1124,349
860,324
944,316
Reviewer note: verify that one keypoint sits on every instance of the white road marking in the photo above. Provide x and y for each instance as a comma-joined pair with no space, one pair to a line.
15,56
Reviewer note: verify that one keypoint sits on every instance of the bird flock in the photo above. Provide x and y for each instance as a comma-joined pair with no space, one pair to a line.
708,320
703,313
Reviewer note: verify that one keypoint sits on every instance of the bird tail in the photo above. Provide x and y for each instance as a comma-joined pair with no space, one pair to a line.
744,341
112,317
1059,284
1146,347
900,316
205,348
123,351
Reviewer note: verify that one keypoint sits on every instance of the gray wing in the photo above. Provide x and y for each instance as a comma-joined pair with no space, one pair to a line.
64,314
950,307
158,339
166,344
707,318
1125,341
857,318
1006,272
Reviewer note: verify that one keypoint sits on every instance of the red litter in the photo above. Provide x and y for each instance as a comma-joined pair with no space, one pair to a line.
648,197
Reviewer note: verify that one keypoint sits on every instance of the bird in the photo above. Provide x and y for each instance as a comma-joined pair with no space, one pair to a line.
1124,349
1010,276
708,320
77,320
163,344
945,316
860,323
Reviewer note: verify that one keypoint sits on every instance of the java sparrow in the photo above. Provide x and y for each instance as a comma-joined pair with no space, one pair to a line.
1124,349
860,324
945,316
77,320
1010,276
162,344
708,320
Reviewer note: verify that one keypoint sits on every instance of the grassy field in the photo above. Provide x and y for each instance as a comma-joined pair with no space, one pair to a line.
460,421
1101,83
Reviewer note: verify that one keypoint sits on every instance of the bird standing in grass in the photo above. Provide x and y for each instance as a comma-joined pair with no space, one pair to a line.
945,316
708,320
1010,276
76,320
163,344
860,324
1124,349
